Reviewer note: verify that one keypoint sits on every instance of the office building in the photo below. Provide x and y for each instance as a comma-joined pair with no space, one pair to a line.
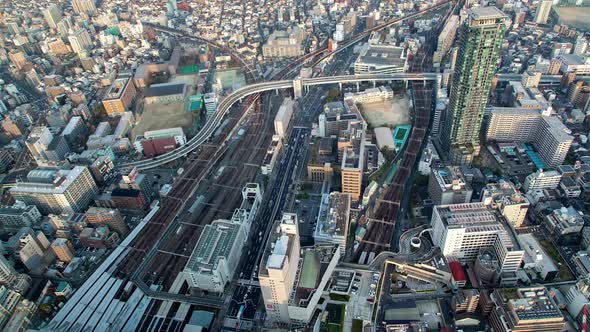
54,190
285,43
565,220
525,309
80,41
213,262
351,145
99,238
333,220
536,259
292,278
38,142
63,249
548,134
119,96
381,59
508,200
541,180
30,247
336,116
480,38
84,6
17,216
107,217
462,231
449,186
543,11
578,297
283,117
52,15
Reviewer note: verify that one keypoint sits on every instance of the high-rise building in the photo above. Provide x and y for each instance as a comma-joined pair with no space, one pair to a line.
7,272
80,41
447,35
54,190
547,133
63,249
333,220
283,117
84,6
292,278
52,15
351,145
461,231
465,300
543,11
480,39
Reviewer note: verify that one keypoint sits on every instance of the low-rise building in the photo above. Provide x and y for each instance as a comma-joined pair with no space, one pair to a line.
525,309
449,186
565,220
381,59
17,216
511,203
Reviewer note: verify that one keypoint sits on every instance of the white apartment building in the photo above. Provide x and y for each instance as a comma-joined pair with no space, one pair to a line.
462,230
13,218
57,191
541,180
80,41
550,136
370,95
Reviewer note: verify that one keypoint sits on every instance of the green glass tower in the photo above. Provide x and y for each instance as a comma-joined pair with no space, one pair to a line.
480,39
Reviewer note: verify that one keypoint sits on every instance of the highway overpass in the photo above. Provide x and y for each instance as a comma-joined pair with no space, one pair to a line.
299,86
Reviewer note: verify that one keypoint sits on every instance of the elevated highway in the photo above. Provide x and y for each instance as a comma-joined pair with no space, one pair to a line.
298,85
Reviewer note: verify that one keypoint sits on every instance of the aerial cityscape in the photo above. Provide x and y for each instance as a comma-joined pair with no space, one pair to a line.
295,165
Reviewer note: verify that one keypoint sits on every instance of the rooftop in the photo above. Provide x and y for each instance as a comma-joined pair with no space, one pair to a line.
486,13
165,89
117,88
215,243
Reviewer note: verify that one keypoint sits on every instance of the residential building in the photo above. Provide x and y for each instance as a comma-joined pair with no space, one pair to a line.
381,59
543,11
22,317
9,299
447,35
119,96
466,300
17,216
52,15
80,41
107,217
84,6
370,95
508,200
448,186
480,38
525,309
63,249
541,180
333,220
336,116
54,190
461,231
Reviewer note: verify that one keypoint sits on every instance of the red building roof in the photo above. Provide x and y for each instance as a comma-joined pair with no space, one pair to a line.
457,271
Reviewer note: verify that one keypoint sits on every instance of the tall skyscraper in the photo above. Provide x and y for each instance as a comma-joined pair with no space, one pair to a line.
52,15
84,6
480,38
543,11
